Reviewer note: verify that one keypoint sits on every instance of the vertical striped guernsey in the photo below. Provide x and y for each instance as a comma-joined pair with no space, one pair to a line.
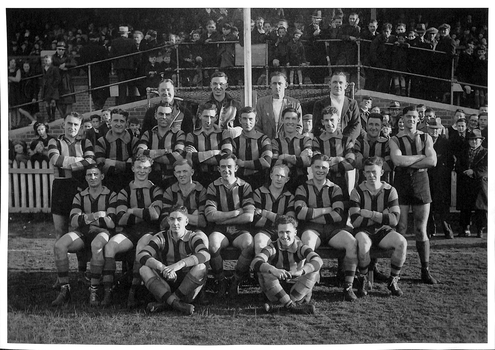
204,144
293,146
264,200
411,147
192,249
194,201
68,157
308,197
385,202
116,151
336,145
133,197
84,203
256,151
221,198
174,139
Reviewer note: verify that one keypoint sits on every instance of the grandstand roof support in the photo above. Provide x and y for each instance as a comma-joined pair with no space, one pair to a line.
248,80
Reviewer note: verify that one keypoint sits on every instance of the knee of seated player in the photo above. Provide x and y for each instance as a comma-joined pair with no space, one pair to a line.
261,240
146,273
143,242
199,271
363,243
310,238
110,249
63,243
244,241
215,241
99,242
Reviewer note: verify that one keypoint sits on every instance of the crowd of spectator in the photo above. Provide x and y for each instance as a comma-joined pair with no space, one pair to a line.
401,45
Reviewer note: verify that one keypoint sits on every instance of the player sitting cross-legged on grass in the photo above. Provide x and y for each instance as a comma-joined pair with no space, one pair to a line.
284,259
374,211
174,269
93,217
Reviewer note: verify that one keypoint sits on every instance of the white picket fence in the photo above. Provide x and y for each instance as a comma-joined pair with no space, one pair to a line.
30,187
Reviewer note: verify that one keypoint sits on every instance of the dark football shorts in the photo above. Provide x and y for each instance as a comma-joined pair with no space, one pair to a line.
376,234
413,188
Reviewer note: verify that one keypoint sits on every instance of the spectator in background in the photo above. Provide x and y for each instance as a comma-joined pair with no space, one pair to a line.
280,50
49,87
100,72
442,63
316,50
297,57
472,185
349,33
483,124
14,91
472,122
381,55
66,89
134,126
400,63
209,50
480,76
153,72
125,67
226,52
21,152
29,90
39,146
93,133
367,36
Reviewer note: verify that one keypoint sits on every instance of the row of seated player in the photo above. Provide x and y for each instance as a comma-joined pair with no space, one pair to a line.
261,224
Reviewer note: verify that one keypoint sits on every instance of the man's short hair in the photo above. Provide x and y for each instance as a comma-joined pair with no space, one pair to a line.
247,109
428,110
74,114
134,120
219,75
320,156
125,114
285,220
86,120
229,156
281,166
461,120
421,105
94,166
142,158
329,110
289,110
183,162
483,114
95,116
373,161
409,109
278,74
339,72
180,208
166,81
208,106
376,116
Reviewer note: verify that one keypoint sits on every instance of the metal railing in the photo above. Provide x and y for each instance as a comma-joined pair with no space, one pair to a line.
266,68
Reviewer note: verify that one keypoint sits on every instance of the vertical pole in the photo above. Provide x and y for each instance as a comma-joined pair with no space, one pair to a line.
89,88
177,59
248,78
452,82
359,64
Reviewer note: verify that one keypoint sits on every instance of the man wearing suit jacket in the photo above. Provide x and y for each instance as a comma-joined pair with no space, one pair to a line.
125,66
269,108
350,124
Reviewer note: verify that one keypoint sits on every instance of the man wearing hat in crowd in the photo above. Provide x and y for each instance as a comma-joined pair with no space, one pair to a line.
125,67
472,185
64,63
364,112
440,177
442,65
316,51
100,72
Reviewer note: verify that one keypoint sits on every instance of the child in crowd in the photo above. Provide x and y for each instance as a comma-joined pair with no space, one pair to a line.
297,56
134,126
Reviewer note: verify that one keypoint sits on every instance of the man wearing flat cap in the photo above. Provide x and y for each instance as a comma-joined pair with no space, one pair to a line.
439,177
443,60
125,67
472,185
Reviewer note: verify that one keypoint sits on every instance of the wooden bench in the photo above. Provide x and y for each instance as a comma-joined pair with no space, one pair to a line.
231,253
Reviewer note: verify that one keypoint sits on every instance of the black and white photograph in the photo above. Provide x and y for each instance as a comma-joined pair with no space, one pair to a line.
253,176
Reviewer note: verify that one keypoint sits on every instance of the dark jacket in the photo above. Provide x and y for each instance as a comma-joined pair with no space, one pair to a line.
351,125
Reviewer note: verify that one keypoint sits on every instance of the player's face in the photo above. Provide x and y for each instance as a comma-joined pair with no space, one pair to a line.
141,170
279,177
278,85
218,86
94,177
183,173
331,122
247,120
320,169
411,119
373,127
163,116
177,222
118,123
208,118
71,126
372,173
338,84
166,92
95,122
227,168
290,122
286,234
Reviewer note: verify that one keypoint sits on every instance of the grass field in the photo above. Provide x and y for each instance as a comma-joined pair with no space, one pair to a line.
454,311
